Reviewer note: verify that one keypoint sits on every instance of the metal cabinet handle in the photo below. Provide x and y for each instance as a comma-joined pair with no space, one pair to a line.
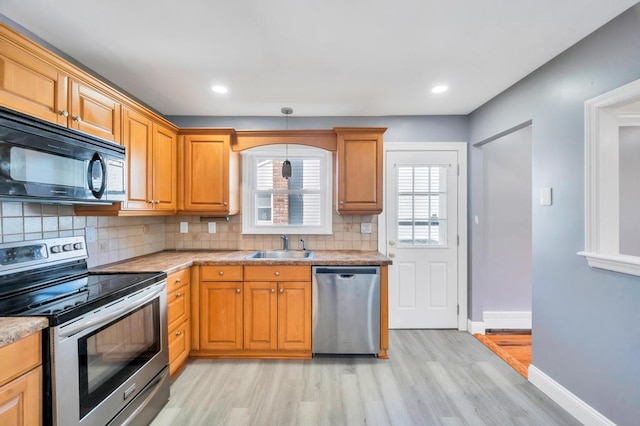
178,294
277,274
238,290
273,290
156,202
221,272
225,204
178,280
64,113
77,119
281,290
178,333
149,201
341,202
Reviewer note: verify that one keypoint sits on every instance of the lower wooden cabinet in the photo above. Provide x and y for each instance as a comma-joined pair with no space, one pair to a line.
179,318
21,382
246,317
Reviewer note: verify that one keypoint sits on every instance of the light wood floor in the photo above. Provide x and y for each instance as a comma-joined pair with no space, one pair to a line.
433,377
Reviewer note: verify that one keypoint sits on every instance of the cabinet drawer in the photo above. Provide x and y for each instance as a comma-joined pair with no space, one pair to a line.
19,357
221,273
178,306
178,279
179,346
277,273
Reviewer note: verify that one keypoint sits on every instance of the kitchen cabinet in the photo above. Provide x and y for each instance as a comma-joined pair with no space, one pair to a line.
220,308
31,82
210,173
255,311
359,170
21,382
277,309
178,319
151,169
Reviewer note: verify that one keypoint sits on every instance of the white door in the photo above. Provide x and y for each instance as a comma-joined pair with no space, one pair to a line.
422,238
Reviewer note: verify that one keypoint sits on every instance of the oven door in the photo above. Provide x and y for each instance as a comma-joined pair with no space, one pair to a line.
102,361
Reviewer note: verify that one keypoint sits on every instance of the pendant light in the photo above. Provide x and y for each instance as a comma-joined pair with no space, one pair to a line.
286,166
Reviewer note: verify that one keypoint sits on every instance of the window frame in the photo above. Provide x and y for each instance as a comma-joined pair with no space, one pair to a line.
250,157
602,114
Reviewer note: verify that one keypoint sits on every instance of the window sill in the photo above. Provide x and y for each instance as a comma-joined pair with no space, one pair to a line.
618,263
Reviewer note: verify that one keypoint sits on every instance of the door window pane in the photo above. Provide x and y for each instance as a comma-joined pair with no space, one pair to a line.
421,205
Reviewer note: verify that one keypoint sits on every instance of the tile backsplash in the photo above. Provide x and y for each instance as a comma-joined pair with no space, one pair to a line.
112,239
346,235
109,239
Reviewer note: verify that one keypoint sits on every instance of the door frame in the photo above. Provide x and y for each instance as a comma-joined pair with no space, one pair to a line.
461,149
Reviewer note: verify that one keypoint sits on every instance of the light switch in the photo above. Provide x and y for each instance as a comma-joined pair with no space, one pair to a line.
184,227
212,227
545,196
365,228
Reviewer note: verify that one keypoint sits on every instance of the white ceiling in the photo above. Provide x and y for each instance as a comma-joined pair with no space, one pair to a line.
322,57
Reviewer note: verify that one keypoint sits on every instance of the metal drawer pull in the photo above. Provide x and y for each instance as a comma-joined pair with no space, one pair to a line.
281,290
178,333
178,294
277,274
238,290
221,272
178,280
273,290
77,119
64,113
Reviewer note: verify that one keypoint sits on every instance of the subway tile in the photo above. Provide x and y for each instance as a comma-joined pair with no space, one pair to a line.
79,222
49,210
65,211
33,236
32,209
11,209
12,225
65,223
32,224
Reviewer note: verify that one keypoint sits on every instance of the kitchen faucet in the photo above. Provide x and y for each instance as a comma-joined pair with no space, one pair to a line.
285,242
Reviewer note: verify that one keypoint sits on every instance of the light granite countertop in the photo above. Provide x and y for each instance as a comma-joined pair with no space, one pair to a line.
174,260
16,328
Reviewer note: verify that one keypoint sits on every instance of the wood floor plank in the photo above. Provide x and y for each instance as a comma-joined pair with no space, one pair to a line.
433,377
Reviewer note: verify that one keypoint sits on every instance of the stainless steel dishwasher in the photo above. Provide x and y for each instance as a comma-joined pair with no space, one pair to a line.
346,310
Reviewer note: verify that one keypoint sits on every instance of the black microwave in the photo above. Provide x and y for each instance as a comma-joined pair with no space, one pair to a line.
47,163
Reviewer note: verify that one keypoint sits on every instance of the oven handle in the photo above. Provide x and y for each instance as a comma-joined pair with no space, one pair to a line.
99,319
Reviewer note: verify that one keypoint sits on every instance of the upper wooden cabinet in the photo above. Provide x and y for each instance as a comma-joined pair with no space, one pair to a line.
359,170
32,83
210,179
93,111
151,169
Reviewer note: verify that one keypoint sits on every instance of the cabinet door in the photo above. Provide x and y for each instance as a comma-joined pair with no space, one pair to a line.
21,400
94,112
31,86
294,316
359,173
137,140
260,316
221,315
206,170
179,346
164,153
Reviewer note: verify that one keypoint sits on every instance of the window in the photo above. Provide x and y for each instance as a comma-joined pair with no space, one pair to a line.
612,146
275,205
421,203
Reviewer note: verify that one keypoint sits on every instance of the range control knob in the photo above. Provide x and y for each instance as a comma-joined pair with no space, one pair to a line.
67,247
55,249
77,246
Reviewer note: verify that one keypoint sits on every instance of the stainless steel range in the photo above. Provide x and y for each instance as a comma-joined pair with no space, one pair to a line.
106,352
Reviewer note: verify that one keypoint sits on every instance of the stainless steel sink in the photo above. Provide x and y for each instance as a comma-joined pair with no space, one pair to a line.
281,254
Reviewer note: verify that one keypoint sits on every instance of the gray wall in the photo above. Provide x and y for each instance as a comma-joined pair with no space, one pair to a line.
507,222
433,128
585,321
629,195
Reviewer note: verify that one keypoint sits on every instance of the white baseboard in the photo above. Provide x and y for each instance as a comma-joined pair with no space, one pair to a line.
579,409
475,327
507,320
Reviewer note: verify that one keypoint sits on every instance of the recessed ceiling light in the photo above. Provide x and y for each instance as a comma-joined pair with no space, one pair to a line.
440,89
219,89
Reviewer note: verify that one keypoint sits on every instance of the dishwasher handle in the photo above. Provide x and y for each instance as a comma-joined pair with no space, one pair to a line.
346,271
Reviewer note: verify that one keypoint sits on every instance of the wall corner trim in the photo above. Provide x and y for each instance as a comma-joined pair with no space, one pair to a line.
508,320
579,409
475,327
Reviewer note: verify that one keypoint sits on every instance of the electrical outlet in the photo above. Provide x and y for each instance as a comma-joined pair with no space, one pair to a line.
184,227
365,228
212,227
